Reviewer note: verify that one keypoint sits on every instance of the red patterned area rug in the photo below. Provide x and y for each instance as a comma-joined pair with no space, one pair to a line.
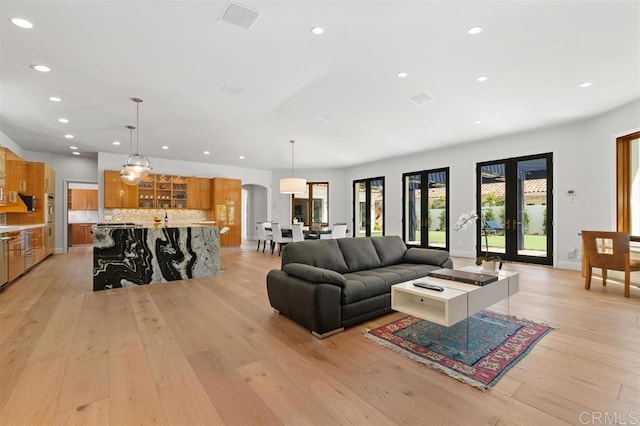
477,351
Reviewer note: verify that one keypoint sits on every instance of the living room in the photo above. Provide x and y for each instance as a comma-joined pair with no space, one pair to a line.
262,368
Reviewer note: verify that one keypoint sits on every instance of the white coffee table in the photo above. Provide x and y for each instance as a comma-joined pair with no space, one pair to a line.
458,300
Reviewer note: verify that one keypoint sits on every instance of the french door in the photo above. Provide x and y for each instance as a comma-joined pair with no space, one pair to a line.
368,207
515,198
425,213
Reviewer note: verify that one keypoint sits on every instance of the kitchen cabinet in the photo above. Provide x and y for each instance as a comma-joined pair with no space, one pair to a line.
83,199
163,192
81,233
34,180
15,176
38,244
3,177
50,180
16,254
118,194
226,195
199,193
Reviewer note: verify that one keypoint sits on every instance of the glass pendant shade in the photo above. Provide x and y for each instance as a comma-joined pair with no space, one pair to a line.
129,176
293,185
139,164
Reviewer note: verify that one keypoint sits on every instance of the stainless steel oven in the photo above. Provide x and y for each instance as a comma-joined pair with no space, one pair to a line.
50,209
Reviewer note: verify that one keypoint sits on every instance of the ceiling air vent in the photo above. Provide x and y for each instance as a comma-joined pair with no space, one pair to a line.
239,15
326,117
422,98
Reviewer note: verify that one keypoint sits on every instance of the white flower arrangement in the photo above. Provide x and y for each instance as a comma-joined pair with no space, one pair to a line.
463,223
465,220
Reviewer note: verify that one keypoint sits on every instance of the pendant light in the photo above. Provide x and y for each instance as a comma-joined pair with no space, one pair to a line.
138,162
292,185
127,175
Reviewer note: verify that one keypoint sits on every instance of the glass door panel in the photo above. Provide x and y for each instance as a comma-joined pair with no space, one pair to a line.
320,206
516,207
438,211
368,208
377,208
492,208
426,208
413,209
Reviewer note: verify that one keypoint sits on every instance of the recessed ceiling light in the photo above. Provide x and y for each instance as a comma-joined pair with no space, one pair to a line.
586,84
22,23
75,153
41,68
63,120
317,30
482,78
116,142
474,30
477,122
73,147
241,157
402,74
206,153
55,99
165,147
69,136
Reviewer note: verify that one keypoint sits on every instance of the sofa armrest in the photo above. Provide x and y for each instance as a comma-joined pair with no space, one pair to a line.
427,257
314,274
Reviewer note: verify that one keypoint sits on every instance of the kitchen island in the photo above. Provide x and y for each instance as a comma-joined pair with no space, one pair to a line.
129,254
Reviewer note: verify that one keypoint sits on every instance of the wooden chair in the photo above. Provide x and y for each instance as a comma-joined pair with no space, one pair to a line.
608,250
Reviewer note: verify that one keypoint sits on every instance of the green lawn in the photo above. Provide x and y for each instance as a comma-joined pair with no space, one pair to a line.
531,242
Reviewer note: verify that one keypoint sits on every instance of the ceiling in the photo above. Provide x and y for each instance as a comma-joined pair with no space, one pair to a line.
209,85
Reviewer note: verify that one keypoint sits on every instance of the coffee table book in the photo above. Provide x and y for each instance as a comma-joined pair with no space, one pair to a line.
464,276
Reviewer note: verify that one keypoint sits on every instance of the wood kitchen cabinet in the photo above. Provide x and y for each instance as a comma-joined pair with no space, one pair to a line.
15,180
226,195
199,193
118,194
34,178
81,234
3,177
50,180
83,199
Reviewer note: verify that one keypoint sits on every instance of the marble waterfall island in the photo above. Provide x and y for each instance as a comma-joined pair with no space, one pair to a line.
135,255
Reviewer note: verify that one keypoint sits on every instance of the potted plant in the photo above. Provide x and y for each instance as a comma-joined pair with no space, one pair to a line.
488,262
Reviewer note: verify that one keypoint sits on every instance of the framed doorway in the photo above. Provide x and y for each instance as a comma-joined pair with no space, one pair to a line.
515,198
368,207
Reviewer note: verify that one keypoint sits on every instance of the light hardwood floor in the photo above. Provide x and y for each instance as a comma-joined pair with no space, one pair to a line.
212,351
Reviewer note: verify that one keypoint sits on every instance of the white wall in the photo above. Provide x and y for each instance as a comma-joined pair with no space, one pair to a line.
6,142
338,191
67,168
107,161
257,211
584,160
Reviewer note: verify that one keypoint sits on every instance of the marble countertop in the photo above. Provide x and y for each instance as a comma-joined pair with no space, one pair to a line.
154,225
14,228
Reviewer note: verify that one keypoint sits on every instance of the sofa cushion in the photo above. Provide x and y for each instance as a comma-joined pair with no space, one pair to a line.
425,256
360,287
390,249
359,254
314,274
320,253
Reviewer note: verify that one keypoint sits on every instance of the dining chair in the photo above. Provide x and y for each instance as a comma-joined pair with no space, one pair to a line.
264,235
339,230
278,238
296,232
608,250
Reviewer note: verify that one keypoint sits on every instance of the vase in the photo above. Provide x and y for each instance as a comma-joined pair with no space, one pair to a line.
489,266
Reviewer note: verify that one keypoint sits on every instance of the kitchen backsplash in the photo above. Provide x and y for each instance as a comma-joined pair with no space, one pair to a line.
83,216
147,215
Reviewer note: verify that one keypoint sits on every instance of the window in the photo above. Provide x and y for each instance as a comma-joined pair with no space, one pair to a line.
426,208
628,184
368,207
313,205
